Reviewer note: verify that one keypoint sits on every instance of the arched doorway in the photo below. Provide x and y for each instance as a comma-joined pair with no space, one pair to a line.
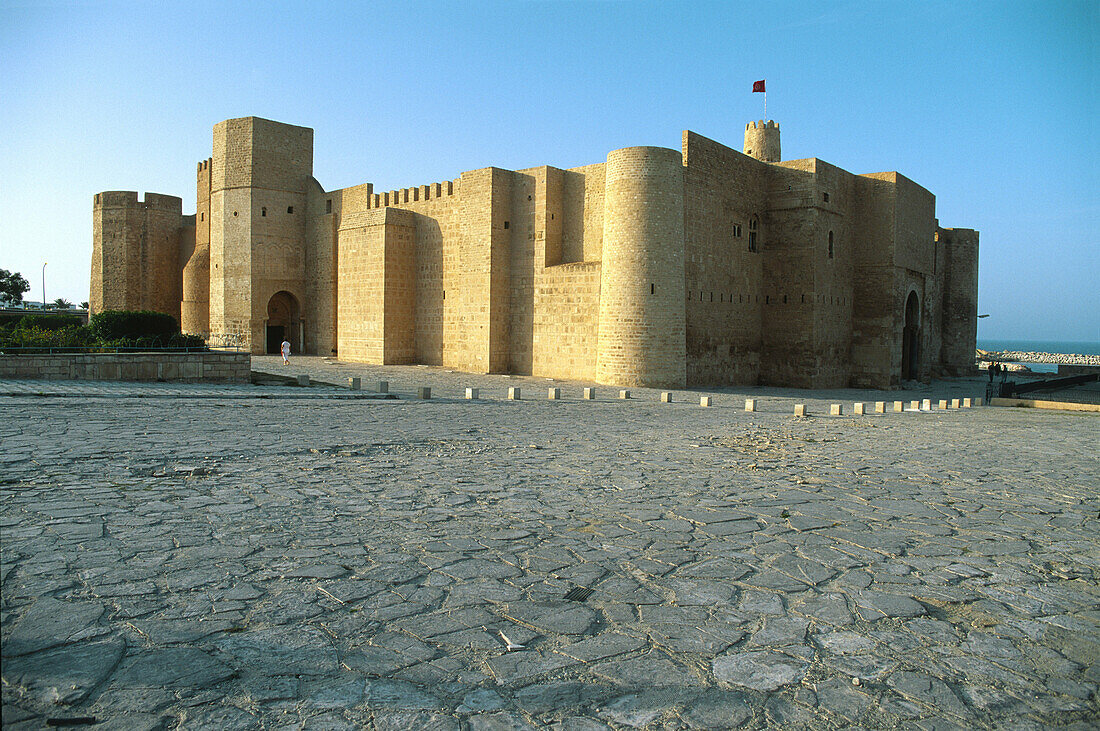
910,339
283,322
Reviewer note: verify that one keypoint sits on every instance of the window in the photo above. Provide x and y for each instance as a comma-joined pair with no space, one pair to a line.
263,211
505,224
652,288
736,230
328,206
754,225
290,209
830,244
825,196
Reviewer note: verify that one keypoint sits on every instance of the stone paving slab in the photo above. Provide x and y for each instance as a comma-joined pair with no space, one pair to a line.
324,563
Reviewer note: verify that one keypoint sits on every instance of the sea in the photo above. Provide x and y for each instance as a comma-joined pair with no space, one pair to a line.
1069,347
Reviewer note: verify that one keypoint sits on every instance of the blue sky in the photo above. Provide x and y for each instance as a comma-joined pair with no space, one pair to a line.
990,105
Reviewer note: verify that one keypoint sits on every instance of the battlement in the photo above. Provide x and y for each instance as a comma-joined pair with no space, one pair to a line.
411,195
204,164
760,125
129,199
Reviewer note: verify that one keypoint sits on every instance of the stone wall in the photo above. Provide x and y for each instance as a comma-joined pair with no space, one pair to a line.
188,367
135,252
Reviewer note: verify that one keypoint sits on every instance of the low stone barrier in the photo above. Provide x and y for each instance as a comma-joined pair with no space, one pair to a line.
216,365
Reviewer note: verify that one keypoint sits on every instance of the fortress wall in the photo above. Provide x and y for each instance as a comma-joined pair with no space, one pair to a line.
377,286
195,305
914,254
135,252
876,332
960,299
231,266
642,315
790,226
527,247
723,190
278,257
833,276
582,228
321,285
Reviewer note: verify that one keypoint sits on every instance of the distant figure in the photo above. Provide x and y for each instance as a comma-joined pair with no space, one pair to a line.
1003,371
992,368
286,352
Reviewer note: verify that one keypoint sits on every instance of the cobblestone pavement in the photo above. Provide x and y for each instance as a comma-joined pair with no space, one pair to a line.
323,563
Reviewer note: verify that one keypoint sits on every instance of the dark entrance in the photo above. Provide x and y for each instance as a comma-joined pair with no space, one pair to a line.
274,338
283,323
910,339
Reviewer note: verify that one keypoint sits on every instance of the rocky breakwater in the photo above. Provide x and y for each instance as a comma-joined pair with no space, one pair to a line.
984,357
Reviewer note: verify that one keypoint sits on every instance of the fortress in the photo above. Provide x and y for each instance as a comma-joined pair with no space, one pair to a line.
698,267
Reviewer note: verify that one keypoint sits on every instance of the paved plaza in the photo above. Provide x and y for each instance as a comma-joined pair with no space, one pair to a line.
236,557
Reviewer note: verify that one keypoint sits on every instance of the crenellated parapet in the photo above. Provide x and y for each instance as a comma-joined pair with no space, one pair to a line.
412,195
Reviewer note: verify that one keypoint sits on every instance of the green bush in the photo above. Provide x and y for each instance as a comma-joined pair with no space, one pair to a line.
49,322
113,325
37,337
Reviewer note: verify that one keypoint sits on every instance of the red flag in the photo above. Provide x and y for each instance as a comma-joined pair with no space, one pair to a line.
758,86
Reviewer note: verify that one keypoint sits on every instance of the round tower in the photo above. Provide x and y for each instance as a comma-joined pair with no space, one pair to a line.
762,141
642,339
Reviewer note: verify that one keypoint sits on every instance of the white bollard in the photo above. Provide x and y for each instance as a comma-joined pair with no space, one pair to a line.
624,395
590,394
382,386
926,405
966,403
355,384
750,404
880,407
553,394
954,403
836,410
899,407
704,400
513,393
942,404
857,409
423,392
800,409
666,397
472,393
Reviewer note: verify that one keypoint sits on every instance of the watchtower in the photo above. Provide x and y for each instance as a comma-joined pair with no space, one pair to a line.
762,141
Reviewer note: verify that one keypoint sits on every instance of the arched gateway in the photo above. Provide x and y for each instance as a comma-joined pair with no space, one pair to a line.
284,321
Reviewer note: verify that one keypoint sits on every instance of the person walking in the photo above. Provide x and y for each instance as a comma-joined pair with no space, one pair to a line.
285,349
992,368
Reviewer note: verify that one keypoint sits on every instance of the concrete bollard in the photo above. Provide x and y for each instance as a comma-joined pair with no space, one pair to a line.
966,403
880,407
942,405
914,405
836,410
513,393
926,405
800,409
666,397
978,401
355,383
303,380
704,400
954,403
624,395
590,394
857,409
472,393
382,386
898,407
750,404
422,392
553,394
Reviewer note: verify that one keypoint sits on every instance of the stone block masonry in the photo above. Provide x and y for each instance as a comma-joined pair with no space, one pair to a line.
215,366
654,267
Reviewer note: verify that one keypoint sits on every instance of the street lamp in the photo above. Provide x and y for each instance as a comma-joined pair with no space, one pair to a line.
44,284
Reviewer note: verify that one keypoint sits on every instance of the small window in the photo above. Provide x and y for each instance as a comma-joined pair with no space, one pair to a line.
830,244
825,196
202,216
234,214
505,224
784,299
328,206
754,225
290,209
652,288
263,211
736,230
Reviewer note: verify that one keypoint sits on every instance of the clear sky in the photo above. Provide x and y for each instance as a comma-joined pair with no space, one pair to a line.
990,105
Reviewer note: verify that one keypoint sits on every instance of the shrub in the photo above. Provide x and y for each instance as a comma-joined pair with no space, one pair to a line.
36,338
49,322
114,325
